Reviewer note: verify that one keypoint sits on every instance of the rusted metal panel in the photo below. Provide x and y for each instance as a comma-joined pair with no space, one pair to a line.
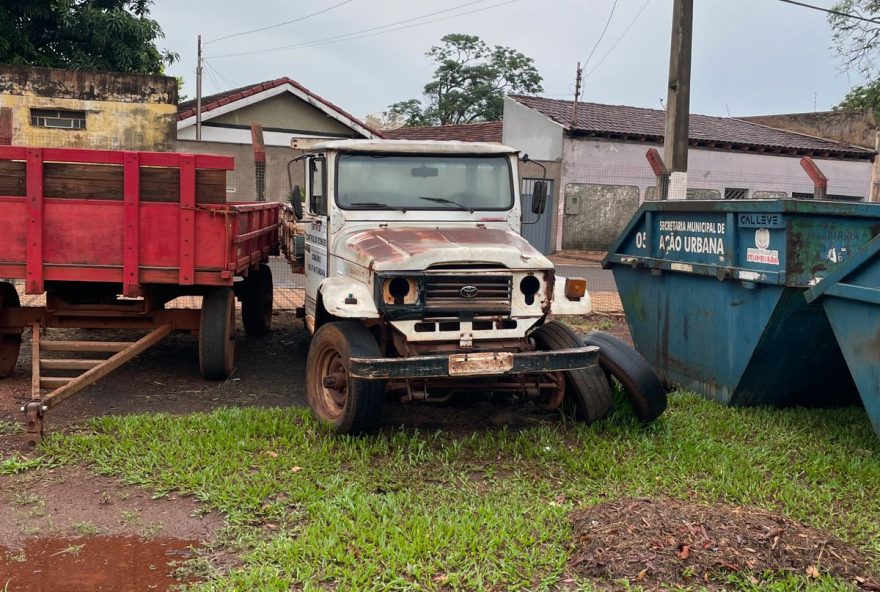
480,363
440,366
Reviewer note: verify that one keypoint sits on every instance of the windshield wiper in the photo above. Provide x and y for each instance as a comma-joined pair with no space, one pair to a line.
448,201
368,204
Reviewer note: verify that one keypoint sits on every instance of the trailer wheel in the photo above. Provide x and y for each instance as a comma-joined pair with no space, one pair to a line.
10,343
642,387
256,301
587,392
217,334
349,406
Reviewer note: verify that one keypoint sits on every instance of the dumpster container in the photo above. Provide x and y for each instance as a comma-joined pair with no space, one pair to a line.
851,298
715,295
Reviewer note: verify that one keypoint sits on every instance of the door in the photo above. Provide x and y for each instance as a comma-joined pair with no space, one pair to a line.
538,230
316,234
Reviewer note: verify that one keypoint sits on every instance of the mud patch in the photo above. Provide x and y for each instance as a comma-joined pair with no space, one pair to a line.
71,501
86,564
655,543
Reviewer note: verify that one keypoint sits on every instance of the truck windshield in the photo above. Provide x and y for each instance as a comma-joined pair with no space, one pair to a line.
403,182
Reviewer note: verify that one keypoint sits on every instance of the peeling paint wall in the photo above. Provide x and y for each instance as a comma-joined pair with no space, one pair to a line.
593,215
122,111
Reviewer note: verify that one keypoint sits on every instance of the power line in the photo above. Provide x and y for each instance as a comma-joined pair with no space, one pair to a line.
372,31
619,39
602,36
231,83
857,17
275,26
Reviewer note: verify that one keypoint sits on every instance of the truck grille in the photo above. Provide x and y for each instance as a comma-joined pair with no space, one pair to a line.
476,294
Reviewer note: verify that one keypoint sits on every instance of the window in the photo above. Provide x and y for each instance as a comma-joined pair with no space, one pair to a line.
735,193
317,203
58,118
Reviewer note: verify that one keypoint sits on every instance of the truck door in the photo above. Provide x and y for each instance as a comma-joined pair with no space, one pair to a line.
316,235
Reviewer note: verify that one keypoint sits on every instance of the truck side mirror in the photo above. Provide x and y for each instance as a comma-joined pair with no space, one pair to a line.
296,200
539,197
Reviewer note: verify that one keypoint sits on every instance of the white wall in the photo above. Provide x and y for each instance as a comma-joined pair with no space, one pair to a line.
530,132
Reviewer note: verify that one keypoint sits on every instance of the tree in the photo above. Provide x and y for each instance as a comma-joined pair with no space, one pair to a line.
469,83
862,98
115,35
856,41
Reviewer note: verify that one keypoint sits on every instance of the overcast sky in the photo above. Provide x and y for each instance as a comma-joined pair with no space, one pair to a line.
750,56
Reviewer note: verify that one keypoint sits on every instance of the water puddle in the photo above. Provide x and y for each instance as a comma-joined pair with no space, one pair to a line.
88,564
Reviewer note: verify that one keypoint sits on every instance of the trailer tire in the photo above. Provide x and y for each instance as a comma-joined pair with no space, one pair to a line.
587,391
642,387
10,343
217,334
350,406
256,301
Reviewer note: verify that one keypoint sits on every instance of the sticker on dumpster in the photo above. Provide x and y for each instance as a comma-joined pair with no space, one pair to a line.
762,254
761,221
692,236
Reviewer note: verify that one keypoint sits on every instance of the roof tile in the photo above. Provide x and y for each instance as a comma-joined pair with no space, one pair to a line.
489,131
638,123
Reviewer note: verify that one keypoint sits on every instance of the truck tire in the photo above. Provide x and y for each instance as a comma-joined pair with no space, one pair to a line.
256,301
217,334
10,343
642,387
587,391
349,406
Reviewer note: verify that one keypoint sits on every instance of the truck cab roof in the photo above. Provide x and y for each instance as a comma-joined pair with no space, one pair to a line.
415,146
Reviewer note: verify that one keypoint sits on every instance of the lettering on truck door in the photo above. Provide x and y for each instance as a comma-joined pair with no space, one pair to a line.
317,232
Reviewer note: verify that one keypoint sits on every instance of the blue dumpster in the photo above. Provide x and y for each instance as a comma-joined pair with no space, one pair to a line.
716,298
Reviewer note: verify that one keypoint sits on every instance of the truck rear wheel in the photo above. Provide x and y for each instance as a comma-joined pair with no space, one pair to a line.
10,343
349,406
256,301
627,366
217,334
587,392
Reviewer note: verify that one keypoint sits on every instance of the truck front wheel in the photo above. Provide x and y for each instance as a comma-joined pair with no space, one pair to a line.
349,406
587,392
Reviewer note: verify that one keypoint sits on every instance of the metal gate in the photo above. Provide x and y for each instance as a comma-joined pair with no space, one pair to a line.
540,232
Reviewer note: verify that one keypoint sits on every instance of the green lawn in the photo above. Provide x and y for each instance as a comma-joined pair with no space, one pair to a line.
438,511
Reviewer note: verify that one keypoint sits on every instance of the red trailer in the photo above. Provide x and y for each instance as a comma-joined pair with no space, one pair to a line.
111,237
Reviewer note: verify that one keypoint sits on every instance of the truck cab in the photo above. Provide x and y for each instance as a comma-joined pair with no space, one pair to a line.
419,284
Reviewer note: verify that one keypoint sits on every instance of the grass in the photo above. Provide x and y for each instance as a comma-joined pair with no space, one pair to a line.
410,510
85,528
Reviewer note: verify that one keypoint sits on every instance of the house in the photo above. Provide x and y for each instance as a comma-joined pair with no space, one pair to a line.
288,113
602,175
78,109
488,131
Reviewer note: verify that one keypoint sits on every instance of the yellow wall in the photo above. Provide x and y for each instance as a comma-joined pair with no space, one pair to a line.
123,112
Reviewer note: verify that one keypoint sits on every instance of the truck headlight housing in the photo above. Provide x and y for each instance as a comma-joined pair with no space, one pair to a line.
400,290
529,286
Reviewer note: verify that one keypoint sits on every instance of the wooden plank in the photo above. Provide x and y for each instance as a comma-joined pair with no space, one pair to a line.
187,240
100,181
12,178
84,346
131,226
53,382
68,364
34,280
35,361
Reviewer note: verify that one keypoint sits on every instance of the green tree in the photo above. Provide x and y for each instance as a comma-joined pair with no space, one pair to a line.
469,83
862,98
115,35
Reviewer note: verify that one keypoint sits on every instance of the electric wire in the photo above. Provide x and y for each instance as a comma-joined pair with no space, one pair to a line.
619,39
602,36
373,31
832,11
276,25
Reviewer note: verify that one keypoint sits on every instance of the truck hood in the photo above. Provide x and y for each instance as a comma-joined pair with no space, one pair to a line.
417,248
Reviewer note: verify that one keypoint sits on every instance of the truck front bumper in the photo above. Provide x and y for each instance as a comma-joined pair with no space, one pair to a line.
473,364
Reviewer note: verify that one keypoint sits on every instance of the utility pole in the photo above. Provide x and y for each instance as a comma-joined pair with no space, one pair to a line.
675,146
577,95
199,91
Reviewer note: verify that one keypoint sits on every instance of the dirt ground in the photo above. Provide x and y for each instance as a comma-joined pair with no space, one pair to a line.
651,542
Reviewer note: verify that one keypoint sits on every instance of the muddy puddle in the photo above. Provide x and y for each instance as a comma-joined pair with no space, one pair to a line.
87,564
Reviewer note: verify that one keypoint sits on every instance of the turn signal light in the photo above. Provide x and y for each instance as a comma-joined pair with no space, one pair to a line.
575,287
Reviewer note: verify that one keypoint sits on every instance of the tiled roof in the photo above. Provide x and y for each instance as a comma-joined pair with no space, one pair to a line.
187,109
639,124
489,131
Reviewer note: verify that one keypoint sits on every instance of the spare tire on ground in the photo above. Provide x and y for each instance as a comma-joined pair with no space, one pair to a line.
644,389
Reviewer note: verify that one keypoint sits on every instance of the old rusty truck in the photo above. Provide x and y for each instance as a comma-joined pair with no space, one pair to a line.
420,287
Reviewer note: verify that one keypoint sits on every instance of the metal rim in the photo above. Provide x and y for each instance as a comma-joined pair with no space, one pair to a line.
332,383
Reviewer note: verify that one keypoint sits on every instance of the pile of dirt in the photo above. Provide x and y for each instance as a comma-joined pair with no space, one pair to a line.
666,542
